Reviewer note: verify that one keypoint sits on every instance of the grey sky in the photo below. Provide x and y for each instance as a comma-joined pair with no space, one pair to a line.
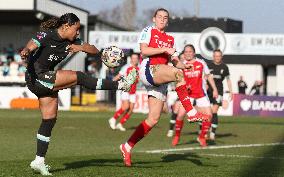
258,16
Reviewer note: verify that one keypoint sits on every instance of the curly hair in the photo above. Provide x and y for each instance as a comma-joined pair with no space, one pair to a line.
56,22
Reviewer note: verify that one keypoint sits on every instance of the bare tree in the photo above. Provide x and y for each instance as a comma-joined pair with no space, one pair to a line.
112,15
146,19
122,15
129,13
125,15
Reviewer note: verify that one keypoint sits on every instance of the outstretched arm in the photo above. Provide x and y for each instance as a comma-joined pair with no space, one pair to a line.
85,47
31,46
150,51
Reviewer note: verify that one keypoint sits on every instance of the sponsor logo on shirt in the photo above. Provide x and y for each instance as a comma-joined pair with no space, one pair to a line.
162,44
53,57
217,76
191,74
47,77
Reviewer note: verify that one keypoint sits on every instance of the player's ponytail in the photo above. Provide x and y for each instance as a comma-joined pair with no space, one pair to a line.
55,22
49,24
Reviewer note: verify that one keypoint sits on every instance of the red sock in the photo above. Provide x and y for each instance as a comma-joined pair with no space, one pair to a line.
142,130
204,129
184,97
124,118
179,125
118,113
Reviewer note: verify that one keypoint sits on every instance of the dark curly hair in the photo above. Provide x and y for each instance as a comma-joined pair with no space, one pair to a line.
56,22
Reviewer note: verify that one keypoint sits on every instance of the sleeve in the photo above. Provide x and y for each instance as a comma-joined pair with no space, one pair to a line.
145,36
174,43
209,67
205,68
78,41
41,38
226,71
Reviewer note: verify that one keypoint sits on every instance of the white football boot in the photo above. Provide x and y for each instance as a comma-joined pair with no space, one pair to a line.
120,127
170,133
126,82
40,167
112,123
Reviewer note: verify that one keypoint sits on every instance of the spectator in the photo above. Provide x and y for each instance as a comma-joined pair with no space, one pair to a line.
21,70
242,85
10,53
6,69
11,63
255,90
93,69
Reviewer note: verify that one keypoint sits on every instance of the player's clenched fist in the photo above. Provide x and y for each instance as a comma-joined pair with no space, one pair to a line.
25,53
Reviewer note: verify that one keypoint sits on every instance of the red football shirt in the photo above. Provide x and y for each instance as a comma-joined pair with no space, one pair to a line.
125,70
156,39
195,78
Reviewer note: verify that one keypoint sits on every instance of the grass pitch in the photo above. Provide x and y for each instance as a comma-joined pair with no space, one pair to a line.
82,144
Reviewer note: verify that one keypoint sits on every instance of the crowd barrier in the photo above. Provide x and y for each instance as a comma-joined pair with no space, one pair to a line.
268,106
240,105
22,98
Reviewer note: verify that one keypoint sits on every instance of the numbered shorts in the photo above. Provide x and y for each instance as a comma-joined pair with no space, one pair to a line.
128,97
146,76
41,84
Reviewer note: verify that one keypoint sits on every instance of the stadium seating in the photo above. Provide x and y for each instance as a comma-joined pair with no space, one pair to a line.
12,69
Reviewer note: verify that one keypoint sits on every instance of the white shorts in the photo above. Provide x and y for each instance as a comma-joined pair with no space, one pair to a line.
146,76
172,98
127,96
201,102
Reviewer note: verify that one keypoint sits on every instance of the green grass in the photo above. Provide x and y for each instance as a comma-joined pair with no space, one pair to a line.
82,144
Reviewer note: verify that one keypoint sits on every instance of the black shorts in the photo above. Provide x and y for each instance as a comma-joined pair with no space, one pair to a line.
41,84
218,101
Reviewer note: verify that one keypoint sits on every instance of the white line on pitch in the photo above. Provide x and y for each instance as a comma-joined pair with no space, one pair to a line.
212,147
240,156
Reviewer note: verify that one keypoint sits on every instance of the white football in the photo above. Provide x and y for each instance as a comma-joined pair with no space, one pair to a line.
112,56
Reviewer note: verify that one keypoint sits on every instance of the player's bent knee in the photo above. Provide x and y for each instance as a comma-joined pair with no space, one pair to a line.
130,112
210,116
125,108
153,120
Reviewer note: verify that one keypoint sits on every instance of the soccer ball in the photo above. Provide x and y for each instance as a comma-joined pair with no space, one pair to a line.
112,56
